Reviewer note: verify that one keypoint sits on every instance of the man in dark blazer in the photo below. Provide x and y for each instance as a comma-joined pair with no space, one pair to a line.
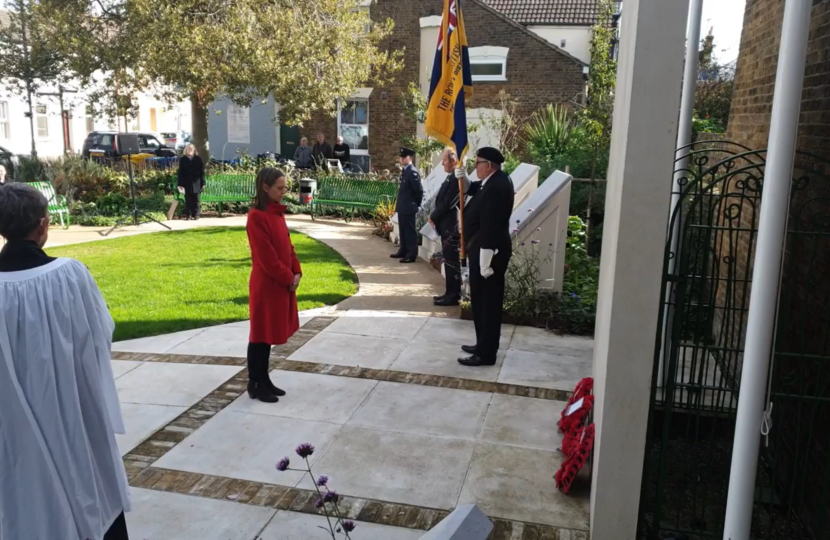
445,221
410,195
489,247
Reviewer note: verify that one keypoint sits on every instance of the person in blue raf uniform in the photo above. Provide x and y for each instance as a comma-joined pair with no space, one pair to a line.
410,195
489,247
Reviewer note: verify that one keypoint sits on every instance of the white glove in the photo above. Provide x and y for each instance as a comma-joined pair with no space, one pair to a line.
460,173
486,260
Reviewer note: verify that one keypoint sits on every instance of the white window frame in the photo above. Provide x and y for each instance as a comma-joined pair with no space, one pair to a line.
45,117
5,127
340,102
492,56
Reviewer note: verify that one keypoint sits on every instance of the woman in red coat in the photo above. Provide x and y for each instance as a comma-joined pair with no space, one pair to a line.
275,276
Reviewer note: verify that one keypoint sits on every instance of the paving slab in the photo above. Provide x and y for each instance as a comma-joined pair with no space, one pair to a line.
321,398
539,340
122,367
432,358
406,468
424,409
377,324
521,421
171,384
458,332
517,483
156,344
143,420
347,350
544,370
170,516
297,526
229,341
248,446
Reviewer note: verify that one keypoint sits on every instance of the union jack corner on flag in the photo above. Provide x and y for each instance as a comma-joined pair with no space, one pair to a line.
451,83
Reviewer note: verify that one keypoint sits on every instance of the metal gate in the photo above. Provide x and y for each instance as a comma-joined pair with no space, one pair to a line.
699,348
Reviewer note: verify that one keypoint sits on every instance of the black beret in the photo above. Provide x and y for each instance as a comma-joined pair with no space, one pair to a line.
490,154
407,151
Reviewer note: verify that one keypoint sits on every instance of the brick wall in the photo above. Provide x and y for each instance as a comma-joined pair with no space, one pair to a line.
537,74
803,439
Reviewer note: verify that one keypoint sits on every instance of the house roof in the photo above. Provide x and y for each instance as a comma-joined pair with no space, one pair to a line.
548,12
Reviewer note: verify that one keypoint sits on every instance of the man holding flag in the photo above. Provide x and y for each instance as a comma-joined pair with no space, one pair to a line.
487,234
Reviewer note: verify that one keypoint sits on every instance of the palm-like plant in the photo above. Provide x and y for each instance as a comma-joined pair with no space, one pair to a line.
548,132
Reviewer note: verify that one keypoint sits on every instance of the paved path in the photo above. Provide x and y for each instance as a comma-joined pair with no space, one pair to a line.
404,431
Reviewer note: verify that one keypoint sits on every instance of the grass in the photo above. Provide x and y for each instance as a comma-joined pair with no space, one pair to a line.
166,282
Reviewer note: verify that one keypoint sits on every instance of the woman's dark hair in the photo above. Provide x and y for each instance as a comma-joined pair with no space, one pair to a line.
21,209
267,177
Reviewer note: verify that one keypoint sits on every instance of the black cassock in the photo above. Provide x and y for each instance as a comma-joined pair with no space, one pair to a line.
410,195
445,219
487,226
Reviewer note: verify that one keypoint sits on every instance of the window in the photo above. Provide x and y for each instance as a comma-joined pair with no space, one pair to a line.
488,63
42,122
353,124
5,131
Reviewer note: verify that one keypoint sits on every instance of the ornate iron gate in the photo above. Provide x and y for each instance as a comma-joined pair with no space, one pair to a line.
699,352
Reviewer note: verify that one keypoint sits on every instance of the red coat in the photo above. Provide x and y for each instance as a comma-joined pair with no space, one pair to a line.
273,307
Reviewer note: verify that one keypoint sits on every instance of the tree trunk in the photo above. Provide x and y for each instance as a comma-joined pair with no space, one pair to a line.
199,114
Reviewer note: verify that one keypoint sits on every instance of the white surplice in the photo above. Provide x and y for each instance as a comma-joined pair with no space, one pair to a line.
61,474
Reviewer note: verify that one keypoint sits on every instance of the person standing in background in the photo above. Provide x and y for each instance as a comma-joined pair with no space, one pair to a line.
275,277
303,157
410,195
322,152
63,476
445,221
342,152
489,247
192,181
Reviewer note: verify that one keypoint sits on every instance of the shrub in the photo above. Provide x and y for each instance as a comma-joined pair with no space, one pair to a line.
547,133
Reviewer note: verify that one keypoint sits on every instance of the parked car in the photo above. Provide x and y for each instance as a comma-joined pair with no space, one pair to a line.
103,144
177,139
7,159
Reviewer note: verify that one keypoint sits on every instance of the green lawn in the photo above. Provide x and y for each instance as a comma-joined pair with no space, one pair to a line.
165,282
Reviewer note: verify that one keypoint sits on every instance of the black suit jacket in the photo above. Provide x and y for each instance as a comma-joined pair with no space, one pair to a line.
191,174
445,215
487,215
410,191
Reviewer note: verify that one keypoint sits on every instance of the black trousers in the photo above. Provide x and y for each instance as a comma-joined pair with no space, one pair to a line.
487,298
409,236
452,264
258,356
118,531
193,204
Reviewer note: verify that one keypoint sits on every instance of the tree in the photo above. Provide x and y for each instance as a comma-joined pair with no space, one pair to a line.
713,95
597,115
306,55
27,61
415,108
100,41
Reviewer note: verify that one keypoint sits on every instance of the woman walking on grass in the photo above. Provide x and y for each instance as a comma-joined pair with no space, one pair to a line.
275,276
191,180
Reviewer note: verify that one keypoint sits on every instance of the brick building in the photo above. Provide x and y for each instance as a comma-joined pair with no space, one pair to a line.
505,56
798,456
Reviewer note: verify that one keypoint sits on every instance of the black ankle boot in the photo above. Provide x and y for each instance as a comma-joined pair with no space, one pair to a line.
261,374
271,388
260,391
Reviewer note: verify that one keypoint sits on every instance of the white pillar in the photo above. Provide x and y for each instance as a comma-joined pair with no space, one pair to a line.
684,137
637,202
772,229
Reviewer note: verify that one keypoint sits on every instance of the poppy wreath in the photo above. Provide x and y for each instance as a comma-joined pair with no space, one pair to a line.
583,389
570,423
573,464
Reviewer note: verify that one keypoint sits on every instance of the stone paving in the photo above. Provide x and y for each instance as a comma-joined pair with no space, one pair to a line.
404,431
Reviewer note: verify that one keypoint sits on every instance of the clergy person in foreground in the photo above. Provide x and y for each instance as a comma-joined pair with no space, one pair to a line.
62,474
489,247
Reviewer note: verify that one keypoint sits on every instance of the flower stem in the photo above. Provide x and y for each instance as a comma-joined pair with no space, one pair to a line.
319,494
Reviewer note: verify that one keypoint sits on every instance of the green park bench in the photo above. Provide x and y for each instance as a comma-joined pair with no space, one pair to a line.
227,188
351,194
57,203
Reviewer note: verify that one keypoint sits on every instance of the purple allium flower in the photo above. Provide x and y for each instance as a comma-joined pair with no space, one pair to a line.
305,450
348,526
283,464
534,241
323,480
331,496
573,295
319,503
